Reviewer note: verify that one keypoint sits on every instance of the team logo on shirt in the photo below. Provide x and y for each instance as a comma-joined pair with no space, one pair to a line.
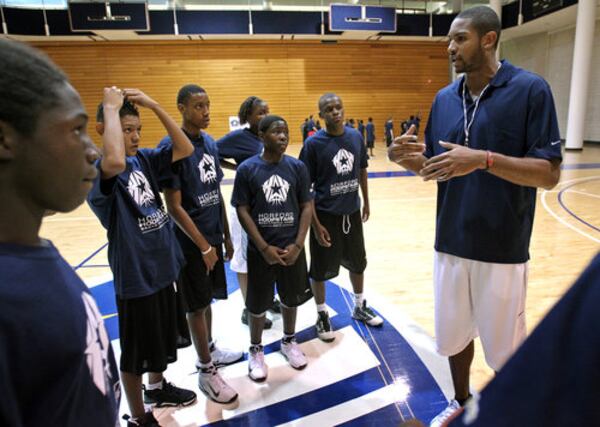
343,162
276,190
97,346
139,188
208,172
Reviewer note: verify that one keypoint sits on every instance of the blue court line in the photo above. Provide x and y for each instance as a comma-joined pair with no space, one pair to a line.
564,206
95,266
90,257
580,166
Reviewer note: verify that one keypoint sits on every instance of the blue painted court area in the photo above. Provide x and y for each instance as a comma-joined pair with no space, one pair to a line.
398,367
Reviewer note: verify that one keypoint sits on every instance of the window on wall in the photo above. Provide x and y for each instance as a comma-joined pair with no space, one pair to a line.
35,4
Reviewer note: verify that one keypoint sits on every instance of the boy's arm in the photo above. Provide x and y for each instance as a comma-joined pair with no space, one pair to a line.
186,224
364,188
271,254
113,145
182,147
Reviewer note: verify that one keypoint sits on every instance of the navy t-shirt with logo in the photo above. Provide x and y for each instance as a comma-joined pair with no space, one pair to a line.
274,192
239,145
553,380
199,177
57,366
143,253
334,164
481,216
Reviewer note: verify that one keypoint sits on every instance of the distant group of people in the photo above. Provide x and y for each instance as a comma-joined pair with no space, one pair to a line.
404,127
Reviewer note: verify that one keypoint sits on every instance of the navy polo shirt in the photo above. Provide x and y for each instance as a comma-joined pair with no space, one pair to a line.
274,193
553,380
480,216
239,145
143,253
198,177
334,164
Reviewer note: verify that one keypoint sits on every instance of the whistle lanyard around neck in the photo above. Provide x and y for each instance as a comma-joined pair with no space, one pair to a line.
469,123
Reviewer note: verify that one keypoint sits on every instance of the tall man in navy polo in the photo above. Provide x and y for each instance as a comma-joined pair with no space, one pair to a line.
491,139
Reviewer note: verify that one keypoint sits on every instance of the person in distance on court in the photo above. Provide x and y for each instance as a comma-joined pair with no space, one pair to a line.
273,199
370,129
336,159
143,252
361,129
389,131
194,201
56,362
491,139
240,145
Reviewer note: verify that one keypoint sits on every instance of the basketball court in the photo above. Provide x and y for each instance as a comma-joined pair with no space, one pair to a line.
367,376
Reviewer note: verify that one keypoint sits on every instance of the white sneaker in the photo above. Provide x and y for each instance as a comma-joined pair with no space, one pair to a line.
214,387
293,354
443,416
257,368
366,315
224,356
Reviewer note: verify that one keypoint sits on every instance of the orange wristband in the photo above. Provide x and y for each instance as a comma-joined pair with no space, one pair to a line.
489,160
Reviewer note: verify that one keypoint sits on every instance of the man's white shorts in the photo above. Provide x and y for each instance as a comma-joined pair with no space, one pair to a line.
479,298
239,238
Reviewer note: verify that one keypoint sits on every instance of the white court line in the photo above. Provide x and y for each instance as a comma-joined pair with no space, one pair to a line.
597,196
354,408
558,218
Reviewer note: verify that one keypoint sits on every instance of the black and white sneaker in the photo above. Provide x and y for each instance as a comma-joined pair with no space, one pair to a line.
323,325
214,387
169,395
147,420
366,315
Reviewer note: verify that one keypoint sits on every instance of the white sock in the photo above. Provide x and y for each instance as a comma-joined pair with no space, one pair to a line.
155,386
205,365
322,307
358,300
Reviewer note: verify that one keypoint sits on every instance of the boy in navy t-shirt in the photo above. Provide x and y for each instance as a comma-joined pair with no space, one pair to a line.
337,163
143,252
272,196
194,201
57,366
240,145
